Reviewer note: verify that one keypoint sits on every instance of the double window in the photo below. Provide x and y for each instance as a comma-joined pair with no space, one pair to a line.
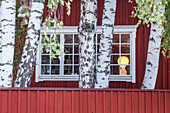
66,68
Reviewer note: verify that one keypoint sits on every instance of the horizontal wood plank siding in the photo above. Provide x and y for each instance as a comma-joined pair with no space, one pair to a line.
123,11
55,100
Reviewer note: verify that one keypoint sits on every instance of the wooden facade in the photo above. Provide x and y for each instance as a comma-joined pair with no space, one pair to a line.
53,100
123,12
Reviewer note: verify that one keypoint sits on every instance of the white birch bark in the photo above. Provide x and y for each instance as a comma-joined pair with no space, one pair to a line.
7,36
0,32
87,30
103,64
152,62
26,66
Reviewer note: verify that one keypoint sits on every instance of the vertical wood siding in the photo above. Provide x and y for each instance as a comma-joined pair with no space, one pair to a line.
41,100
123,12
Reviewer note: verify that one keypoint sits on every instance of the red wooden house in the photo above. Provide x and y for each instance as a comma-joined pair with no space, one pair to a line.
62,75
128,41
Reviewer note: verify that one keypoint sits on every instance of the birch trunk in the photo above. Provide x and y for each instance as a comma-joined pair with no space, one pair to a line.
152,62
7,36
103,64
87,31
26,66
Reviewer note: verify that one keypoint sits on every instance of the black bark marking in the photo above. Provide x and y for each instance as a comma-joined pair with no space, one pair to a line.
155,23
149,70
150,53
154,30
6,20
87,46
157,48
87,27
143,86
2,79
152,39
149,63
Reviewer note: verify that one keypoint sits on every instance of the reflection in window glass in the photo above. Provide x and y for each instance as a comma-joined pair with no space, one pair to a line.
55,70
76,69
55,60
125,48
115,49
115,70
76,38
68,70
45,59
76,49
76,59
125,38
68,59
68,38
115,38
45,70
114,59
68,49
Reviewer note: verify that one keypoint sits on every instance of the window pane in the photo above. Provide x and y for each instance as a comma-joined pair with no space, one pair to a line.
68,70
97,48
76,59
128,69
43,39
43,51
68,38
45,69
57,39
68,59
98,38
115,38
68,49
125,70
55,60
76,69
76,49
125,59
115,49
114,70
125,38
76,38
114,59
45,59
55,70
125,48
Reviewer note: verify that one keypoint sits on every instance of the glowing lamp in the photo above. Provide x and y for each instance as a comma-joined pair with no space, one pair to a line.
123,61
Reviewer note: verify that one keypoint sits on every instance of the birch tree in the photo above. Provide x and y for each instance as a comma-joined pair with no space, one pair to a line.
152,62
7,36
151,12
26,66
87,31
103,64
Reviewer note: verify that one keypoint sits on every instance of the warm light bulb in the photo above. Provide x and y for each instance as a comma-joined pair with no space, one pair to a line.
123,60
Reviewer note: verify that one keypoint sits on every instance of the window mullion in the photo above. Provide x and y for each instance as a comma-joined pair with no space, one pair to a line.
73,56
62,53
120,53
50,54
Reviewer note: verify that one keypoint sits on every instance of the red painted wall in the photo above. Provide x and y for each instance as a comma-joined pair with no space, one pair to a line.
46,100
123,12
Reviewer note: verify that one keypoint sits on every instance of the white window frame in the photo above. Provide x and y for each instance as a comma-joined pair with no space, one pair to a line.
131,29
